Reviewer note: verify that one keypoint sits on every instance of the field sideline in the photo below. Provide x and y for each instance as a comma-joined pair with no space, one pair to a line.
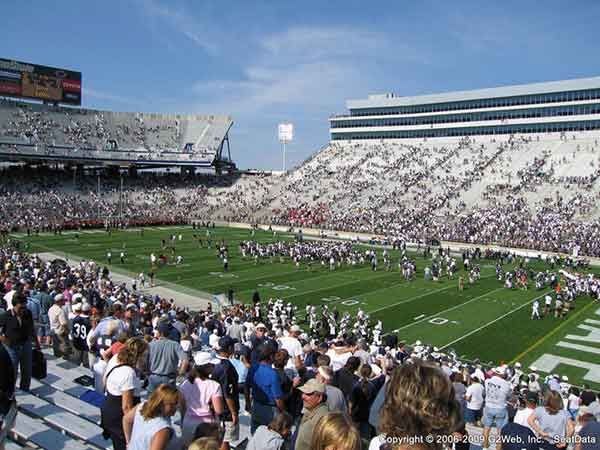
484,321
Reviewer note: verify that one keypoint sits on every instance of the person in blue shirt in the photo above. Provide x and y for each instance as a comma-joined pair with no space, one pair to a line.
265,387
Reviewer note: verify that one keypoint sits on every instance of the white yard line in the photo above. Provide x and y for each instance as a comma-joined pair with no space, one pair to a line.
447,310
493,321
408,300
422,295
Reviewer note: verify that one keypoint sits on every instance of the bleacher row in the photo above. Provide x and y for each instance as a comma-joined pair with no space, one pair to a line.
52,415
28,123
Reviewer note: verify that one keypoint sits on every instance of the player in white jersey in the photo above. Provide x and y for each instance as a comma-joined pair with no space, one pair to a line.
535,310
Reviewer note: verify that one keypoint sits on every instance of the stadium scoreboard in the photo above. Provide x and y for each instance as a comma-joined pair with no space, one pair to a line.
25,80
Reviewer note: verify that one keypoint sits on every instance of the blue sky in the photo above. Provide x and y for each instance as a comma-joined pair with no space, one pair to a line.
263,62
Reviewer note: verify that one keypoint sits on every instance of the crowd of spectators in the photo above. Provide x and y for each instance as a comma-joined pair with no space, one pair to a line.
88,129
300,390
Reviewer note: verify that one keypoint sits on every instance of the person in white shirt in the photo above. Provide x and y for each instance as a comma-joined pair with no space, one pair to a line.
523,414
213,339
474,398
497,393
293,347
59,326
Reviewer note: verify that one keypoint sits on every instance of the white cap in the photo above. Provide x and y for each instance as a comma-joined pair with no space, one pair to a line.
498,370
261,325
295,329
565,378
77,307
518,365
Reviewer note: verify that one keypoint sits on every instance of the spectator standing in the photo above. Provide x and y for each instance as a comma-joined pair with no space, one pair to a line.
407,412
497,393
589,433
263,381
336,402
166,359
345,378
474,398
225,374
148,426
273,436
315,407
236,331
122,390
363,394
202,397
293,347
17,335
7,392
523,414
46,303
80,329
59,327
552,423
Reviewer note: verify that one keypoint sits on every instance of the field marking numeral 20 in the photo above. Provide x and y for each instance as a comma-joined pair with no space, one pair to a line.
276,287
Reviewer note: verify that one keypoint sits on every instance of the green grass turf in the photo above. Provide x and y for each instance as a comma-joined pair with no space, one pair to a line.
484,321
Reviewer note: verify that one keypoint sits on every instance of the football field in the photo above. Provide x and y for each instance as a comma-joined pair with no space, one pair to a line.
485,321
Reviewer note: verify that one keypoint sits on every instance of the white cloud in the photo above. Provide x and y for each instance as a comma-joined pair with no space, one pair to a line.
182,21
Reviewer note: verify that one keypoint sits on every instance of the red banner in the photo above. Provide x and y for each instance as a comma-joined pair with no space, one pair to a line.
71,85
10,88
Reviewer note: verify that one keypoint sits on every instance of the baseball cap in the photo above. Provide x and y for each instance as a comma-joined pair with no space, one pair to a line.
295,329
261,325
77,307
164,327
311,386
532,397
498,370
59,298
226,342
202,358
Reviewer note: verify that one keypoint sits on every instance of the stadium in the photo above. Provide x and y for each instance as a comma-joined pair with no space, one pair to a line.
456,232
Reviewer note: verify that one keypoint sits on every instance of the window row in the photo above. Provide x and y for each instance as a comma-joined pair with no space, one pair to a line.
470,131
586,94
472,117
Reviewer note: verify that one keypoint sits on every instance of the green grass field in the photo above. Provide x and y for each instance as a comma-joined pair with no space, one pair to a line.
484,321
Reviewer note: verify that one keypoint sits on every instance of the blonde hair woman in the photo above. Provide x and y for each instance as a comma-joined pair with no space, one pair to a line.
122,389
148,426
335,431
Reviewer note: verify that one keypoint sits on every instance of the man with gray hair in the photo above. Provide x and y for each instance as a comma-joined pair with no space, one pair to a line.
336,402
